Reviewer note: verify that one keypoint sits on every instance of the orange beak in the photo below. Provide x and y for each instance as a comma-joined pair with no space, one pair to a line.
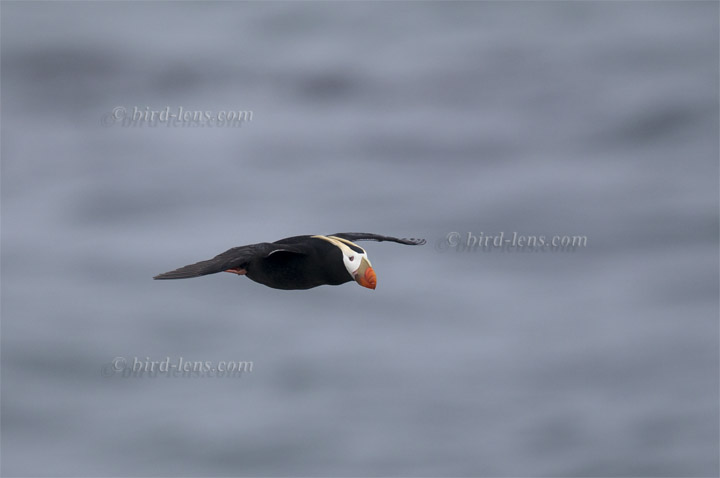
367,279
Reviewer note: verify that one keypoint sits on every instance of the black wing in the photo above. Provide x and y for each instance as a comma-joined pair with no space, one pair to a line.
366,236
235,258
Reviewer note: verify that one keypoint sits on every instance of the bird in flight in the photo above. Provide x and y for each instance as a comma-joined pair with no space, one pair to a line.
299,262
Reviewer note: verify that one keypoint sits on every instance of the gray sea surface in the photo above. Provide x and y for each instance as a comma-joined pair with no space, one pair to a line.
412,119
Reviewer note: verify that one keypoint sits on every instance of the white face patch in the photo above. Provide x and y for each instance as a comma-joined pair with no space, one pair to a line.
352,259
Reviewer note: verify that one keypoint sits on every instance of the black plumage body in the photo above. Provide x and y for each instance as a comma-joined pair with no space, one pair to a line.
321,264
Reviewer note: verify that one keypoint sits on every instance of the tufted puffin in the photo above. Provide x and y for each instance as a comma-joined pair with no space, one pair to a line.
299,262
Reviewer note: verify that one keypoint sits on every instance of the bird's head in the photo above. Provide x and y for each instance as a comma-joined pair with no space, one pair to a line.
359,267
355,260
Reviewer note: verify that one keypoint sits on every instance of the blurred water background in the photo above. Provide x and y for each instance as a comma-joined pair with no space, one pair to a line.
410,119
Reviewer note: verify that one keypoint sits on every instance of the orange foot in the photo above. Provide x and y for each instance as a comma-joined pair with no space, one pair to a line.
240,272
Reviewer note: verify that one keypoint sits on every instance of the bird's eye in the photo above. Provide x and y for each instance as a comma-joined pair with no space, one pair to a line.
351,258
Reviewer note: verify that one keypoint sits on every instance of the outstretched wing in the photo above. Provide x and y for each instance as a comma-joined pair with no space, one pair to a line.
366,236
235,258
